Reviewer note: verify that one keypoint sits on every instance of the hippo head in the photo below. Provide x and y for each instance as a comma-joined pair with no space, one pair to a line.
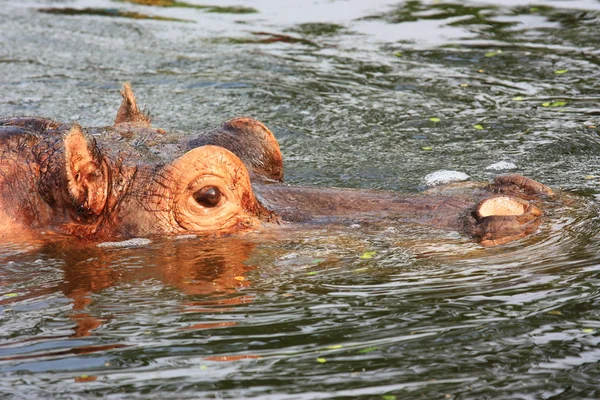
131,179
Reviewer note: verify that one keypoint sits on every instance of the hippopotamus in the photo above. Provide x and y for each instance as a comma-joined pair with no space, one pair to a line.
131,179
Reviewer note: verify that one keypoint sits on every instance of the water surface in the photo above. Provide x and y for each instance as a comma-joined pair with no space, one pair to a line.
360,94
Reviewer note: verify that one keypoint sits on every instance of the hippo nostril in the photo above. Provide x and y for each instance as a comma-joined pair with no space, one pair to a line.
208,196
502,219
501,206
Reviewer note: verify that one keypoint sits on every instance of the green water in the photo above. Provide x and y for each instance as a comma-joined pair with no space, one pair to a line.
359,94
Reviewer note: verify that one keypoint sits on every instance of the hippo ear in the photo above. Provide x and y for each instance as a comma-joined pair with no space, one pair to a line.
129,111
85,174
251,141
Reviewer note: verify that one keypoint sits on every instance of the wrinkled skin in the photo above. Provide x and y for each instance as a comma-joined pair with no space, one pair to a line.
134,180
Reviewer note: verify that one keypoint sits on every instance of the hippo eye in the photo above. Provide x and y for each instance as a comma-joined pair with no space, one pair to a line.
208,196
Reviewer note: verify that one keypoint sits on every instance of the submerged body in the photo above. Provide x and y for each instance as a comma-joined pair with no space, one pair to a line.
134,180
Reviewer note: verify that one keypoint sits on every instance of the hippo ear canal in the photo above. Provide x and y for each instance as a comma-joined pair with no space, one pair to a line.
85,173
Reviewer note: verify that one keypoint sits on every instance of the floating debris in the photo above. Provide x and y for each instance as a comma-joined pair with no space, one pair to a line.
561,71
182,4
85,378
367,255
317,29
493,53
443,177
558,103
266,38
368,350
434,119
108,12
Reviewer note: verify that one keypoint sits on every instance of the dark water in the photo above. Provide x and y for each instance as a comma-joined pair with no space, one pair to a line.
360,94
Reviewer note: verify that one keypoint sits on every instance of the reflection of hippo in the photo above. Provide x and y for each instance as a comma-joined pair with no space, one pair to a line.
131,180
214,269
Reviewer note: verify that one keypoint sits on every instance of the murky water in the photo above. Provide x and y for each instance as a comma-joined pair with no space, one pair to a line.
360,94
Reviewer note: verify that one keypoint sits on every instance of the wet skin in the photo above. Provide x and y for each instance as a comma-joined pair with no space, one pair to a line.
134,180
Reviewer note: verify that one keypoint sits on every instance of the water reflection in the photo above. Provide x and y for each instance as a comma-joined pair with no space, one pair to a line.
213,268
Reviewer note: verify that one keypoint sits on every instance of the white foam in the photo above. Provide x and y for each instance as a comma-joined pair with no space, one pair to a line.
126,243
443,177
185,237
502,165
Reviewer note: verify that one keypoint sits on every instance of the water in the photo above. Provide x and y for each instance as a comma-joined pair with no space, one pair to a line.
359,94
